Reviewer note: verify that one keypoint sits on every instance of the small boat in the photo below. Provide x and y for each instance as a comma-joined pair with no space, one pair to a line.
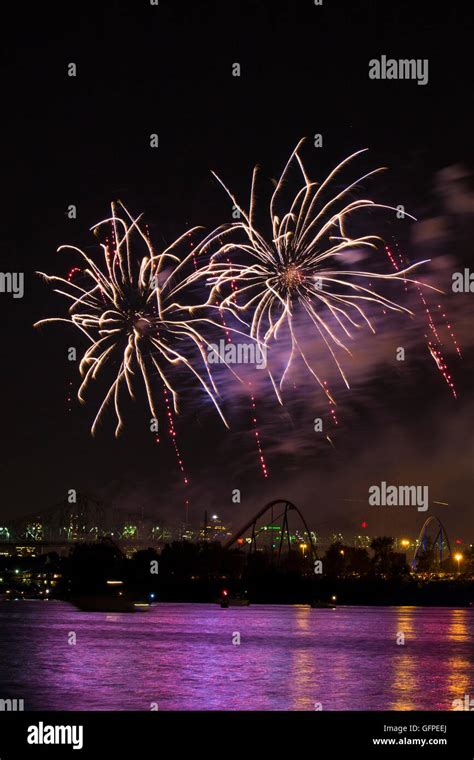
104,603
141,606
233,601
318,605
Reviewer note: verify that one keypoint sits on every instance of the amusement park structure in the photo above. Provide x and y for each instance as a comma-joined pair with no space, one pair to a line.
279,512
428,541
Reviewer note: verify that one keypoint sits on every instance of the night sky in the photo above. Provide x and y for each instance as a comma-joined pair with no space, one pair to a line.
85,141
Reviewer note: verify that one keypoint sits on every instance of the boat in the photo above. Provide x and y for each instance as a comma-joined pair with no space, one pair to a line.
104,603
111,597
141,606
318,605
233,601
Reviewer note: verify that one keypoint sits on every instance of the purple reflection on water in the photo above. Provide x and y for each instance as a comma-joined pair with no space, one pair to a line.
181,657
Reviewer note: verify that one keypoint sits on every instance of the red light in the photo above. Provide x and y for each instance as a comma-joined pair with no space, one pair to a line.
458,541
363,525
224,593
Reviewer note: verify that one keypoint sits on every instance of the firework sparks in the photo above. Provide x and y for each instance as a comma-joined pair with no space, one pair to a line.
127,309
433,348
296,270
261,458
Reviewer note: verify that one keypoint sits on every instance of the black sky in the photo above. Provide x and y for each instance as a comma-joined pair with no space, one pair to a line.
85,140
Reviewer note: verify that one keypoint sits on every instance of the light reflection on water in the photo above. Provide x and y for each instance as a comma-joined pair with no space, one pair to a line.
181,657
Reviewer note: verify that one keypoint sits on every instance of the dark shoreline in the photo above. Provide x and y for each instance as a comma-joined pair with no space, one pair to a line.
304,591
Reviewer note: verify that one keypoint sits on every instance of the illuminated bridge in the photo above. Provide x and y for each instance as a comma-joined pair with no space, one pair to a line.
86,519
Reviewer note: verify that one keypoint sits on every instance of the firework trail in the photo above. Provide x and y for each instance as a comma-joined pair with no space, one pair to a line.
196,276
127,309
435,344
296,270
253,404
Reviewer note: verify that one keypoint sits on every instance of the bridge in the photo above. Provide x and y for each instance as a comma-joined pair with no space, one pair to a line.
84,519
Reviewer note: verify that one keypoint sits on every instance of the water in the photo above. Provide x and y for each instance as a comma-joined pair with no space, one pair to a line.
181,657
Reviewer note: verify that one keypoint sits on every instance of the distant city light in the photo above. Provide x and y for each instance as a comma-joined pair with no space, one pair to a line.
458,557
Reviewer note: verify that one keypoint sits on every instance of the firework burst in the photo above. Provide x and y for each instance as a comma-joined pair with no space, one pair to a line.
128,311
297,269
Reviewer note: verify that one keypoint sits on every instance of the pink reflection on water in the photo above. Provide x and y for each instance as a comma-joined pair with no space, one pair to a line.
182,657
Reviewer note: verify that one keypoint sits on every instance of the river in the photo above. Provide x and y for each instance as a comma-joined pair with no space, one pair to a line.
187,657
